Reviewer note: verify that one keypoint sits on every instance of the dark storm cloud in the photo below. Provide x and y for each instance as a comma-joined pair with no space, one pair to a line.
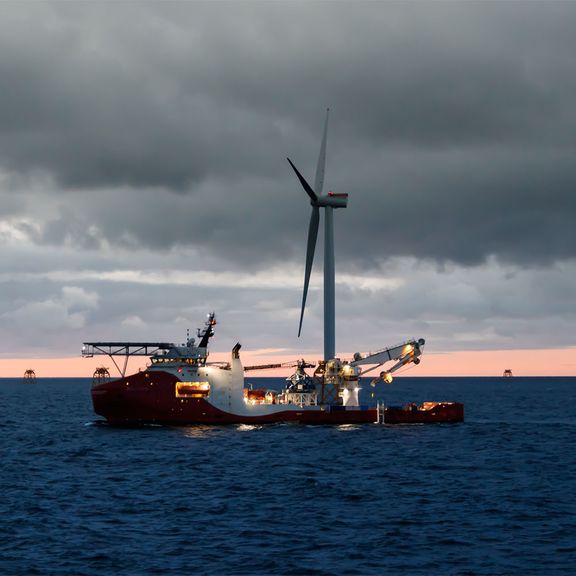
453,127
465,206
100,99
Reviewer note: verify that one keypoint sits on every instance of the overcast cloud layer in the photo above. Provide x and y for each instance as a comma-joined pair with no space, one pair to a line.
144,182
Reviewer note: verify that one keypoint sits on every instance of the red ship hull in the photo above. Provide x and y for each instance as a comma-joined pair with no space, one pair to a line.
140,399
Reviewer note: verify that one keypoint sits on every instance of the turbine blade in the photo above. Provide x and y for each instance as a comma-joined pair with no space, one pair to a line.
312,236
305,184
320,167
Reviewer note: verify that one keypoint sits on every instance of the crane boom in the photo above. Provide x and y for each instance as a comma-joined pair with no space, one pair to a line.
403,354
301,363
410,349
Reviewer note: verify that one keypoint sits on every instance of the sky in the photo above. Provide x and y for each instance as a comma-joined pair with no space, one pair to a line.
144,181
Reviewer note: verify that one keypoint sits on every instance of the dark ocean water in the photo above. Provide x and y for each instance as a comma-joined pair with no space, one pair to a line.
493,496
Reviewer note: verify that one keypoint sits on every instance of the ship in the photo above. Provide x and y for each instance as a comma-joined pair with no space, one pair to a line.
180,386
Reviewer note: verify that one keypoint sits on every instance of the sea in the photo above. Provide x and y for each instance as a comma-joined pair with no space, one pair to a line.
495,495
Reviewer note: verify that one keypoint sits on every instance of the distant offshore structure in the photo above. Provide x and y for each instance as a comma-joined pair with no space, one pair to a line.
101,375
507,373
29,376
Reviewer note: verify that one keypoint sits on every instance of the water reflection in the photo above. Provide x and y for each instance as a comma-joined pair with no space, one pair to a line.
205,431
347,427
248,427
200,431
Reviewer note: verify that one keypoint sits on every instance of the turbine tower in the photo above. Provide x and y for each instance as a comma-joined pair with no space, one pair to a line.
328,202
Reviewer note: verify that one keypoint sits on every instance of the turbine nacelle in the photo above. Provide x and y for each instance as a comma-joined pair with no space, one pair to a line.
333,200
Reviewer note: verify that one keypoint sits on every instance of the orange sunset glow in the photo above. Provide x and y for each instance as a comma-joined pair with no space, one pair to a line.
544,362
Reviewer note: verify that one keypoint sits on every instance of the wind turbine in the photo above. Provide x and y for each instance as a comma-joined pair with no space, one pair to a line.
329,202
